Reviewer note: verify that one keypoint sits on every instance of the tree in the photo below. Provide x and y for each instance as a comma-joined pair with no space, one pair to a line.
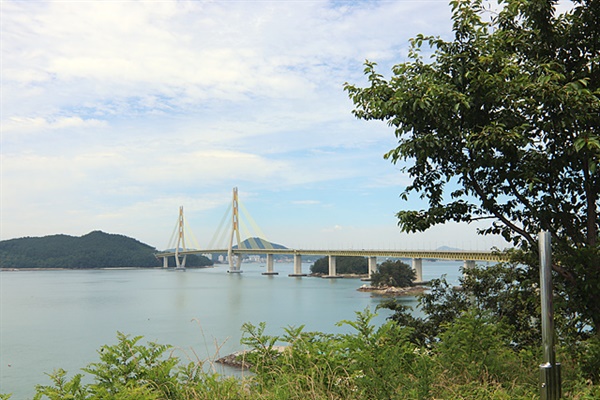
497,291
95,250
393,273
344,265
503,125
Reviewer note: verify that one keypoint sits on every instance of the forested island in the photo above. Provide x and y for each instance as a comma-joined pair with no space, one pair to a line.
97,249
345,265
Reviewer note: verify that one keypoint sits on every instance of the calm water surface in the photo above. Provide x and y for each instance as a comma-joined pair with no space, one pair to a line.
58,319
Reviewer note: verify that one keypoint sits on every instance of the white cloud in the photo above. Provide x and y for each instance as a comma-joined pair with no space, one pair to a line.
192,50
115,113
21,124
306,202
334,228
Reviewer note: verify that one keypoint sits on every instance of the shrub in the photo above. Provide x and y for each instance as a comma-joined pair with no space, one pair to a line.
472,357
393,273
129,370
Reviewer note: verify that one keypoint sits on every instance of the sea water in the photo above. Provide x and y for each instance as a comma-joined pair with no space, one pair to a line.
59,318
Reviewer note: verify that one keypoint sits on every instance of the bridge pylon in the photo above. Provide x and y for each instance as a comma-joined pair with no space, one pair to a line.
180,264
235,261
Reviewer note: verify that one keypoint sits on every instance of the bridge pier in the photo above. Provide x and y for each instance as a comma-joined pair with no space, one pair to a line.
332,268
165,262
297,266
372,266
235,263
417,266
270,266
180,264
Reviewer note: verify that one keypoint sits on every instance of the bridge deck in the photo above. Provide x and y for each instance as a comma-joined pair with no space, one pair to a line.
431,254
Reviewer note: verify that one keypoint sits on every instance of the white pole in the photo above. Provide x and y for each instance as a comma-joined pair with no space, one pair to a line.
550,384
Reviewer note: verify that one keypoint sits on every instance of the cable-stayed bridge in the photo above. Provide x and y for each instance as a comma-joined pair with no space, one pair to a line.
258,246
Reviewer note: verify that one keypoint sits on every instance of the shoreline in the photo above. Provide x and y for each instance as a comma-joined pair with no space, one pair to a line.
340,276
90,268
391,291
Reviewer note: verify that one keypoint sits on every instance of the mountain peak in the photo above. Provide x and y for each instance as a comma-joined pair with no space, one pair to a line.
258,243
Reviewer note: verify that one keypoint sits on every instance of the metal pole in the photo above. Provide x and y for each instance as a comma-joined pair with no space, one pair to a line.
550,384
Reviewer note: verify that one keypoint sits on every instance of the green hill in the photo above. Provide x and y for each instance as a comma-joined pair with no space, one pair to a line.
95,250
258,243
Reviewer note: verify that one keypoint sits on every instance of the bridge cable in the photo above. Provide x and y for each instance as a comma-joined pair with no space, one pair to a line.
246,234
252,239
220,233
172,241
261,235
188,232
223,242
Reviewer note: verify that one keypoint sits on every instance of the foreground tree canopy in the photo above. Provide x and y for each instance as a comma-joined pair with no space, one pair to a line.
502,124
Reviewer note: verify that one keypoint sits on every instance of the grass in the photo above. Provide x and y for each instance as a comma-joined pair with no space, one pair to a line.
473,360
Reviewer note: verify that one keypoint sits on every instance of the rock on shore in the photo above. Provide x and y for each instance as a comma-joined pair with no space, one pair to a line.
238,360
235,360
393,291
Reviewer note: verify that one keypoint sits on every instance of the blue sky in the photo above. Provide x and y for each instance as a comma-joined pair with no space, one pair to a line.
115,113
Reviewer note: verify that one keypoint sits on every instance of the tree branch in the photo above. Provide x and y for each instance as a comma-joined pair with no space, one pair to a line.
487,203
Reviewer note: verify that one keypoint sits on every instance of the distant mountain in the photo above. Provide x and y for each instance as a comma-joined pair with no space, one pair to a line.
447,248
258,243
97,249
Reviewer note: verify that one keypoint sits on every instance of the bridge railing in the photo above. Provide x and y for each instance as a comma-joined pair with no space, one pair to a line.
426,254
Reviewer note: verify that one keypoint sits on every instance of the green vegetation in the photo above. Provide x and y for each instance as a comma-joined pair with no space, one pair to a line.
258,243
500,293
343,265
94,250
473,359
393,273
507,115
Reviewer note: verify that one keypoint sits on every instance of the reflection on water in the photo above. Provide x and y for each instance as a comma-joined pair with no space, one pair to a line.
58,319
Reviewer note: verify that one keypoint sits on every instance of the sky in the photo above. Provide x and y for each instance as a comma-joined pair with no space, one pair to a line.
116,113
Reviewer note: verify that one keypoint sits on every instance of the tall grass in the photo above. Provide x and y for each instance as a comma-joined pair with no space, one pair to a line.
473,359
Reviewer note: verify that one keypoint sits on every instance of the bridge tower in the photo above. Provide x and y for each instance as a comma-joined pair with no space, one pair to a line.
235,262
180,264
